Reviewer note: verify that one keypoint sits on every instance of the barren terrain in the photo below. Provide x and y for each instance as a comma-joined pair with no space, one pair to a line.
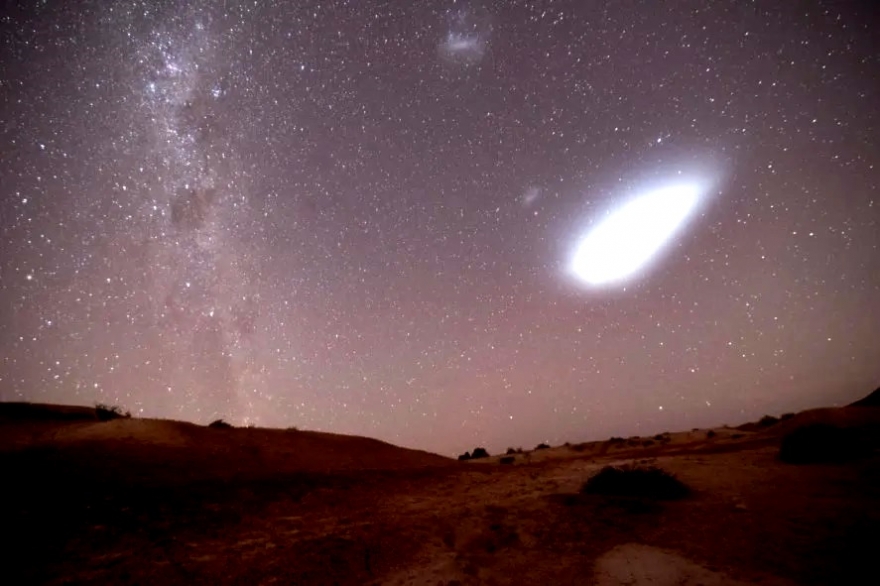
133,501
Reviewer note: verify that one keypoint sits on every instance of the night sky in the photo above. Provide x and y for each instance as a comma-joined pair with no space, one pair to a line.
360,217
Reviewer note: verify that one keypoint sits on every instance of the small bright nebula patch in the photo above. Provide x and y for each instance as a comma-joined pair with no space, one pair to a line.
632,236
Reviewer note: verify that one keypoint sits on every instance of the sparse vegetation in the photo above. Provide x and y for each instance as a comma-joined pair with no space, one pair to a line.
616,440
542,446
479,453
507,459
647,443
465,456
738,436
510,451
110,412
822,443
636,481
785,416
711,433
220,424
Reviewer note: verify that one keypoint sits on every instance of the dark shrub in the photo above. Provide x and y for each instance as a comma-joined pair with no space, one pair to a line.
507,459
110,412
632,481
659,437
820,442
510,451
711,433
738,435
648,443
479,453
579,447
768,420
465,456
542,446
785,416
220,424
616,440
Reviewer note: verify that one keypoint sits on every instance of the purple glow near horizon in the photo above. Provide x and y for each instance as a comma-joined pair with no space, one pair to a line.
365,217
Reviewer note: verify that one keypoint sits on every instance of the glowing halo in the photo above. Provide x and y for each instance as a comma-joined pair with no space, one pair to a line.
634,234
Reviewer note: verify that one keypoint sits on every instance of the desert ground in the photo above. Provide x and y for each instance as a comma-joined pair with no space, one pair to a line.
140,501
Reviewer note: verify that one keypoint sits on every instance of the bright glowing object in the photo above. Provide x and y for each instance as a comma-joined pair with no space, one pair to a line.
633,235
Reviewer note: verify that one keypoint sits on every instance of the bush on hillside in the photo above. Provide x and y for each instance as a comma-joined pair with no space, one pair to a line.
220,424
635,481
822,443
767,421
110,412
711,433
479,453
542,446
510,451
507,459
465,456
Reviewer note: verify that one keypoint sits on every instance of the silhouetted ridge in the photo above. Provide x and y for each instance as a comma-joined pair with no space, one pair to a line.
45,412
872,400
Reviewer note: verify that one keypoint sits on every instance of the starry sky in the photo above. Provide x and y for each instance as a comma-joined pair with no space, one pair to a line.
359,217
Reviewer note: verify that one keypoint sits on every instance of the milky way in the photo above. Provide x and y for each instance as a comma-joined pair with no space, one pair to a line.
361,217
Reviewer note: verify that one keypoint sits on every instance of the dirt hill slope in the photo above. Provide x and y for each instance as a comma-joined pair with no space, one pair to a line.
163,448
162,502
872,400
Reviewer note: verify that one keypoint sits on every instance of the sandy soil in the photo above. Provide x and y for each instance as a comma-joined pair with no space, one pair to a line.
147,502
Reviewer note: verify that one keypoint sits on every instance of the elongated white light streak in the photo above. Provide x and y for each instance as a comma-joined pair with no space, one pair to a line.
632,235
